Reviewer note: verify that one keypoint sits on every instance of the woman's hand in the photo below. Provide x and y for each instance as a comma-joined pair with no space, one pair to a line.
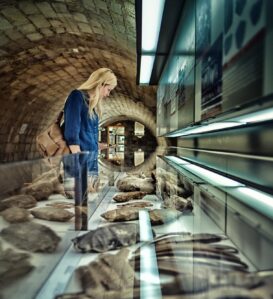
74,148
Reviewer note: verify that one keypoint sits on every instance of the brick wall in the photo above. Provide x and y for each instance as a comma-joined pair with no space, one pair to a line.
48,48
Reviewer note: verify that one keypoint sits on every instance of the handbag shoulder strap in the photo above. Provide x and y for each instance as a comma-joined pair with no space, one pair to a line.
59,117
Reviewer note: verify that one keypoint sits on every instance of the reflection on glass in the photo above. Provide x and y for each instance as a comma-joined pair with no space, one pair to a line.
181,263
79,170
139,129
138,157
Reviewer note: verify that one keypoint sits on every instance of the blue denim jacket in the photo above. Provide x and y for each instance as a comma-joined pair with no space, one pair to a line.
79,128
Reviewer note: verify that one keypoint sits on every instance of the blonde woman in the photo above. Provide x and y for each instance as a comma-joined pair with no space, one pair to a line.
83,109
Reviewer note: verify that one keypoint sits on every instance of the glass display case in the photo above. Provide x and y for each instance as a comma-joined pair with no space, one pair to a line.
220,63
77,227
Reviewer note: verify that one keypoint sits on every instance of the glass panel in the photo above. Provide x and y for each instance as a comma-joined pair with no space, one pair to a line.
220,59
192,230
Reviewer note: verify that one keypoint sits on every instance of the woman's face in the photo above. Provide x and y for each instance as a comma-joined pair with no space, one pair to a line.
105,90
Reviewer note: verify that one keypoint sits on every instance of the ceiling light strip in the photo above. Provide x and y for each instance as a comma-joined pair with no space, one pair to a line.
250,118
152,11
208,176
176,160
256,199
260,201
229,154
256,117
211,177
146,67
205,128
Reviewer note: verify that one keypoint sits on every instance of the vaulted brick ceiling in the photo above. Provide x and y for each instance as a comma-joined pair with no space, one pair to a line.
48,48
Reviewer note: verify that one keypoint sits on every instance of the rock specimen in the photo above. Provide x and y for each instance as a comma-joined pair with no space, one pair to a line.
52,214
15,214
20,201
169,184
31,237
140,204
46,176
157,216
133,183
98,294
121,214
204,283
108,277
61,205
108,273
13,265
43,186
39,190
127,196
108,238
180,237
179,203
172,189
161,216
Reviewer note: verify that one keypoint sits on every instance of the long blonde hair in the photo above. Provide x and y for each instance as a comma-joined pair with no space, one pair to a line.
100,77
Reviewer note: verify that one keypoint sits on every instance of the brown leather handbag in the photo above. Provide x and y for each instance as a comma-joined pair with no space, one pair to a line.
50,142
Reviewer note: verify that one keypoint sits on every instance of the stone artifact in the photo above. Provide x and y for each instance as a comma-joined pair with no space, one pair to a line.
108,272
52,214
162,216
209,283
46,176
121,214
61,205
133,183
142,174
127,196
195,249
178,237
108,238
109,276
97,294
44,185
69,194
13,265
263,291
15,214
173,189
202,284
31,237
190,255
205,282
140,204
170,184
39,190
179,203
199,248
157,216
19,201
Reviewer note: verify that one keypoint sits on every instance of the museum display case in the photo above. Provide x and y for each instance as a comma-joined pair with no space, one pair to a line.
73,228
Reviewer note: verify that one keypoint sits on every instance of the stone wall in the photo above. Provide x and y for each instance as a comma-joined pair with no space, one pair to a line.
48,48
